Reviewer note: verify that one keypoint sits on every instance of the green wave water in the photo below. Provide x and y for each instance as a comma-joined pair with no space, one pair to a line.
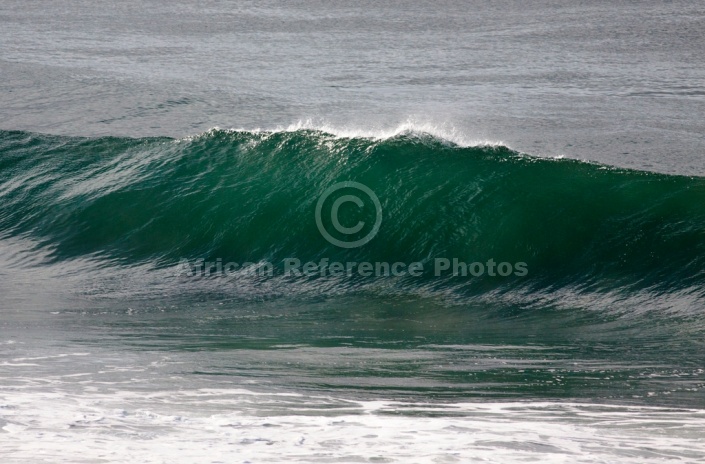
247,196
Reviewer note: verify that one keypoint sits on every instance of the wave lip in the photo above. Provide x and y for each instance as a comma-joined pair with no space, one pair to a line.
409,128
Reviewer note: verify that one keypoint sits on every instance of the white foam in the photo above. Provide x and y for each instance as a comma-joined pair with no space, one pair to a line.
237,425
410,126
442,132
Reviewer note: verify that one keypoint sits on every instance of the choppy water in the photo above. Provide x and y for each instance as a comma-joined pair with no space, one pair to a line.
563,140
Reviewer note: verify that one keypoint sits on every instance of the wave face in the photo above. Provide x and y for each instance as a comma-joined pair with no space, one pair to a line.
246,196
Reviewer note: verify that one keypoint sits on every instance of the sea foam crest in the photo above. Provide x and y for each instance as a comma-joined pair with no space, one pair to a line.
441,132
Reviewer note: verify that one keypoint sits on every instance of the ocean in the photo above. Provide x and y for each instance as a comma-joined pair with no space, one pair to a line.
373,232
